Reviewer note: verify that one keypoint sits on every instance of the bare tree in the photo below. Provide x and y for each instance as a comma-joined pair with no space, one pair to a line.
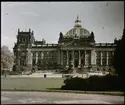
7,59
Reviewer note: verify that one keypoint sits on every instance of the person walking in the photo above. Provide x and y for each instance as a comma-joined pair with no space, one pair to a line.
44,75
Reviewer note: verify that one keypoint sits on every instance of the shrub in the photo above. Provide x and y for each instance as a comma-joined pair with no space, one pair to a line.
93,83
15,73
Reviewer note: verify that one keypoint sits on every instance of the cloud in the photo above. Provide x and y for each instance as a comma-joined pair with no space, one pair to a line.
13,4
29,13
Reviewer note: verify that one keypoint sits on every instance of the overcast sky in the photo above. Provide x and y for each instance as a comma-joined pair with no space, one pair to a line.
48,19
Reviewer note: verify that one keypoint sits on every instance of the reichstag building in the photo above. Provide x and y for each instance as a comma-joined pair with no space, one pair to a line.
76,51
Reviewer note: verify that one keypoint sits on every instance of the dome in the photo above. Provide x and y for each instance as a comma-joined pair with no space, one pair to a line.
77,30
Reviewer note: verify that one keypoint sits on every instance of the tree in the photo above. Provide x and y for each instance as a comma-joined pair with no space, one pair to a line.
119,58
7,58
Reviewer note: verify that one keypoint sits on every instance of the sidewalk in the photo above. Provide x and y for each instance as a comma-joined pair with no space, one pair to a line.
115,93
49,75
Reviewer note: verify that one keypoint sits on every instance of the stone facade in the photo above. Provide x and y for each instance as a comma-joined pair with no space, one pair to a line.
76,50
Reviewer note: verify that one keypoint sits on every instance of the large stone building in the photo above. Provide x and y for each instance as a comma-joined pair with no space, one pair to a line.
76,50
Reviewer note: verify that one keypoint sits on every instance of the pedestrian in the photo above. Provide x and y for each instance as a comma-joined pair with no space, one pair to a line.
44,75
62,75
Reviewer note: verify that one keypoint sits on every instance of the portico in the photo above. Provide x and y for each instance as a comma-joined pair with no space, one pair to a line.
78,58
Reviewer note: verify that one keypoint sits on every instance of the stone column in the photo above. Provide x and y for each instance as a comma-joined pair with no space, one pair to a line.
18,58
61,57
89,58
29,57
73,58
93,60
67,60
58,57
85,58
112,55
101,57
93,57
42,55
36,58
79,66
107,58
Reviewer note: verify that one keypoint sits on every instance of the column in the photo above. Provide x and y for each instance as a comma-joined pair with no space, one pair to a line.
93,60
29,57
67,56
42,55
73,58
36,58
79,66
93,57
61,57
58,57
89,57
107,58
18,59
112,55
85,57
101,57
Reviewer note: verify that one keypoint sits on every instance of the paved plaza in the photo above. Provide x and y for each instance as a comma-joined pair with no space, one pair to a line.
56,75
57,98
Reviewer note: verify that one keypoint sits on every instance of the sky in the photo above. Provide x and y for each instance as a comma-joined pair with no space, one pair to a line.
48,19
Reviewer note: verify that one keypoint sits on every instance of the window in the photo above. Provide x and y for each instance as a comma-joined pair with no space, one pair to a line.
19,40
98,58
104,62
23,60
34,62
98,62
39,61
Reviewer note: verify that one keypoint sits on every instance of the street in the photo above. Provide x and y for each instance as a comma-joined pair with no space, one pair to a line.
57,98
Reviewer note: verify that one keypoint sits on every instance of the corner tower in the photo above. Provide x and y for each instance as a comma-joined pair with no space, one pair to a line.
22,49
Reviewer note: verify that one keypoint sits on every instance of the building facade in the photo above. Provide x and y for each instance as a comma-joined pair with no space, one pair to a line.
76,51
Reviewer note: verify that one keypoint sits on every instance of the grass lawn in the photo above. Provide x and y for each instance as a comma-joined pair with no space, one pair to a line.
42,84
31,83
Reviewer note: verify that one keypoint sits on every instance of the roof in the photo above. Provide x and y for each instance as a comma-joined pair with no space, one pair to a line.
77,30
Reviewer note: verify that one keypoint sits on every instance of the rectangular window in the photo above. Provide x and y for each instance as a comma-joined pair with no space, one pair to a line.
98,58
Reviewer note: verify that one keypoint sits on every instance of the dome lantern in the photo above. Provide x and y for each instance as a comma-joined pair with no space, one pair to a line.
77,22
